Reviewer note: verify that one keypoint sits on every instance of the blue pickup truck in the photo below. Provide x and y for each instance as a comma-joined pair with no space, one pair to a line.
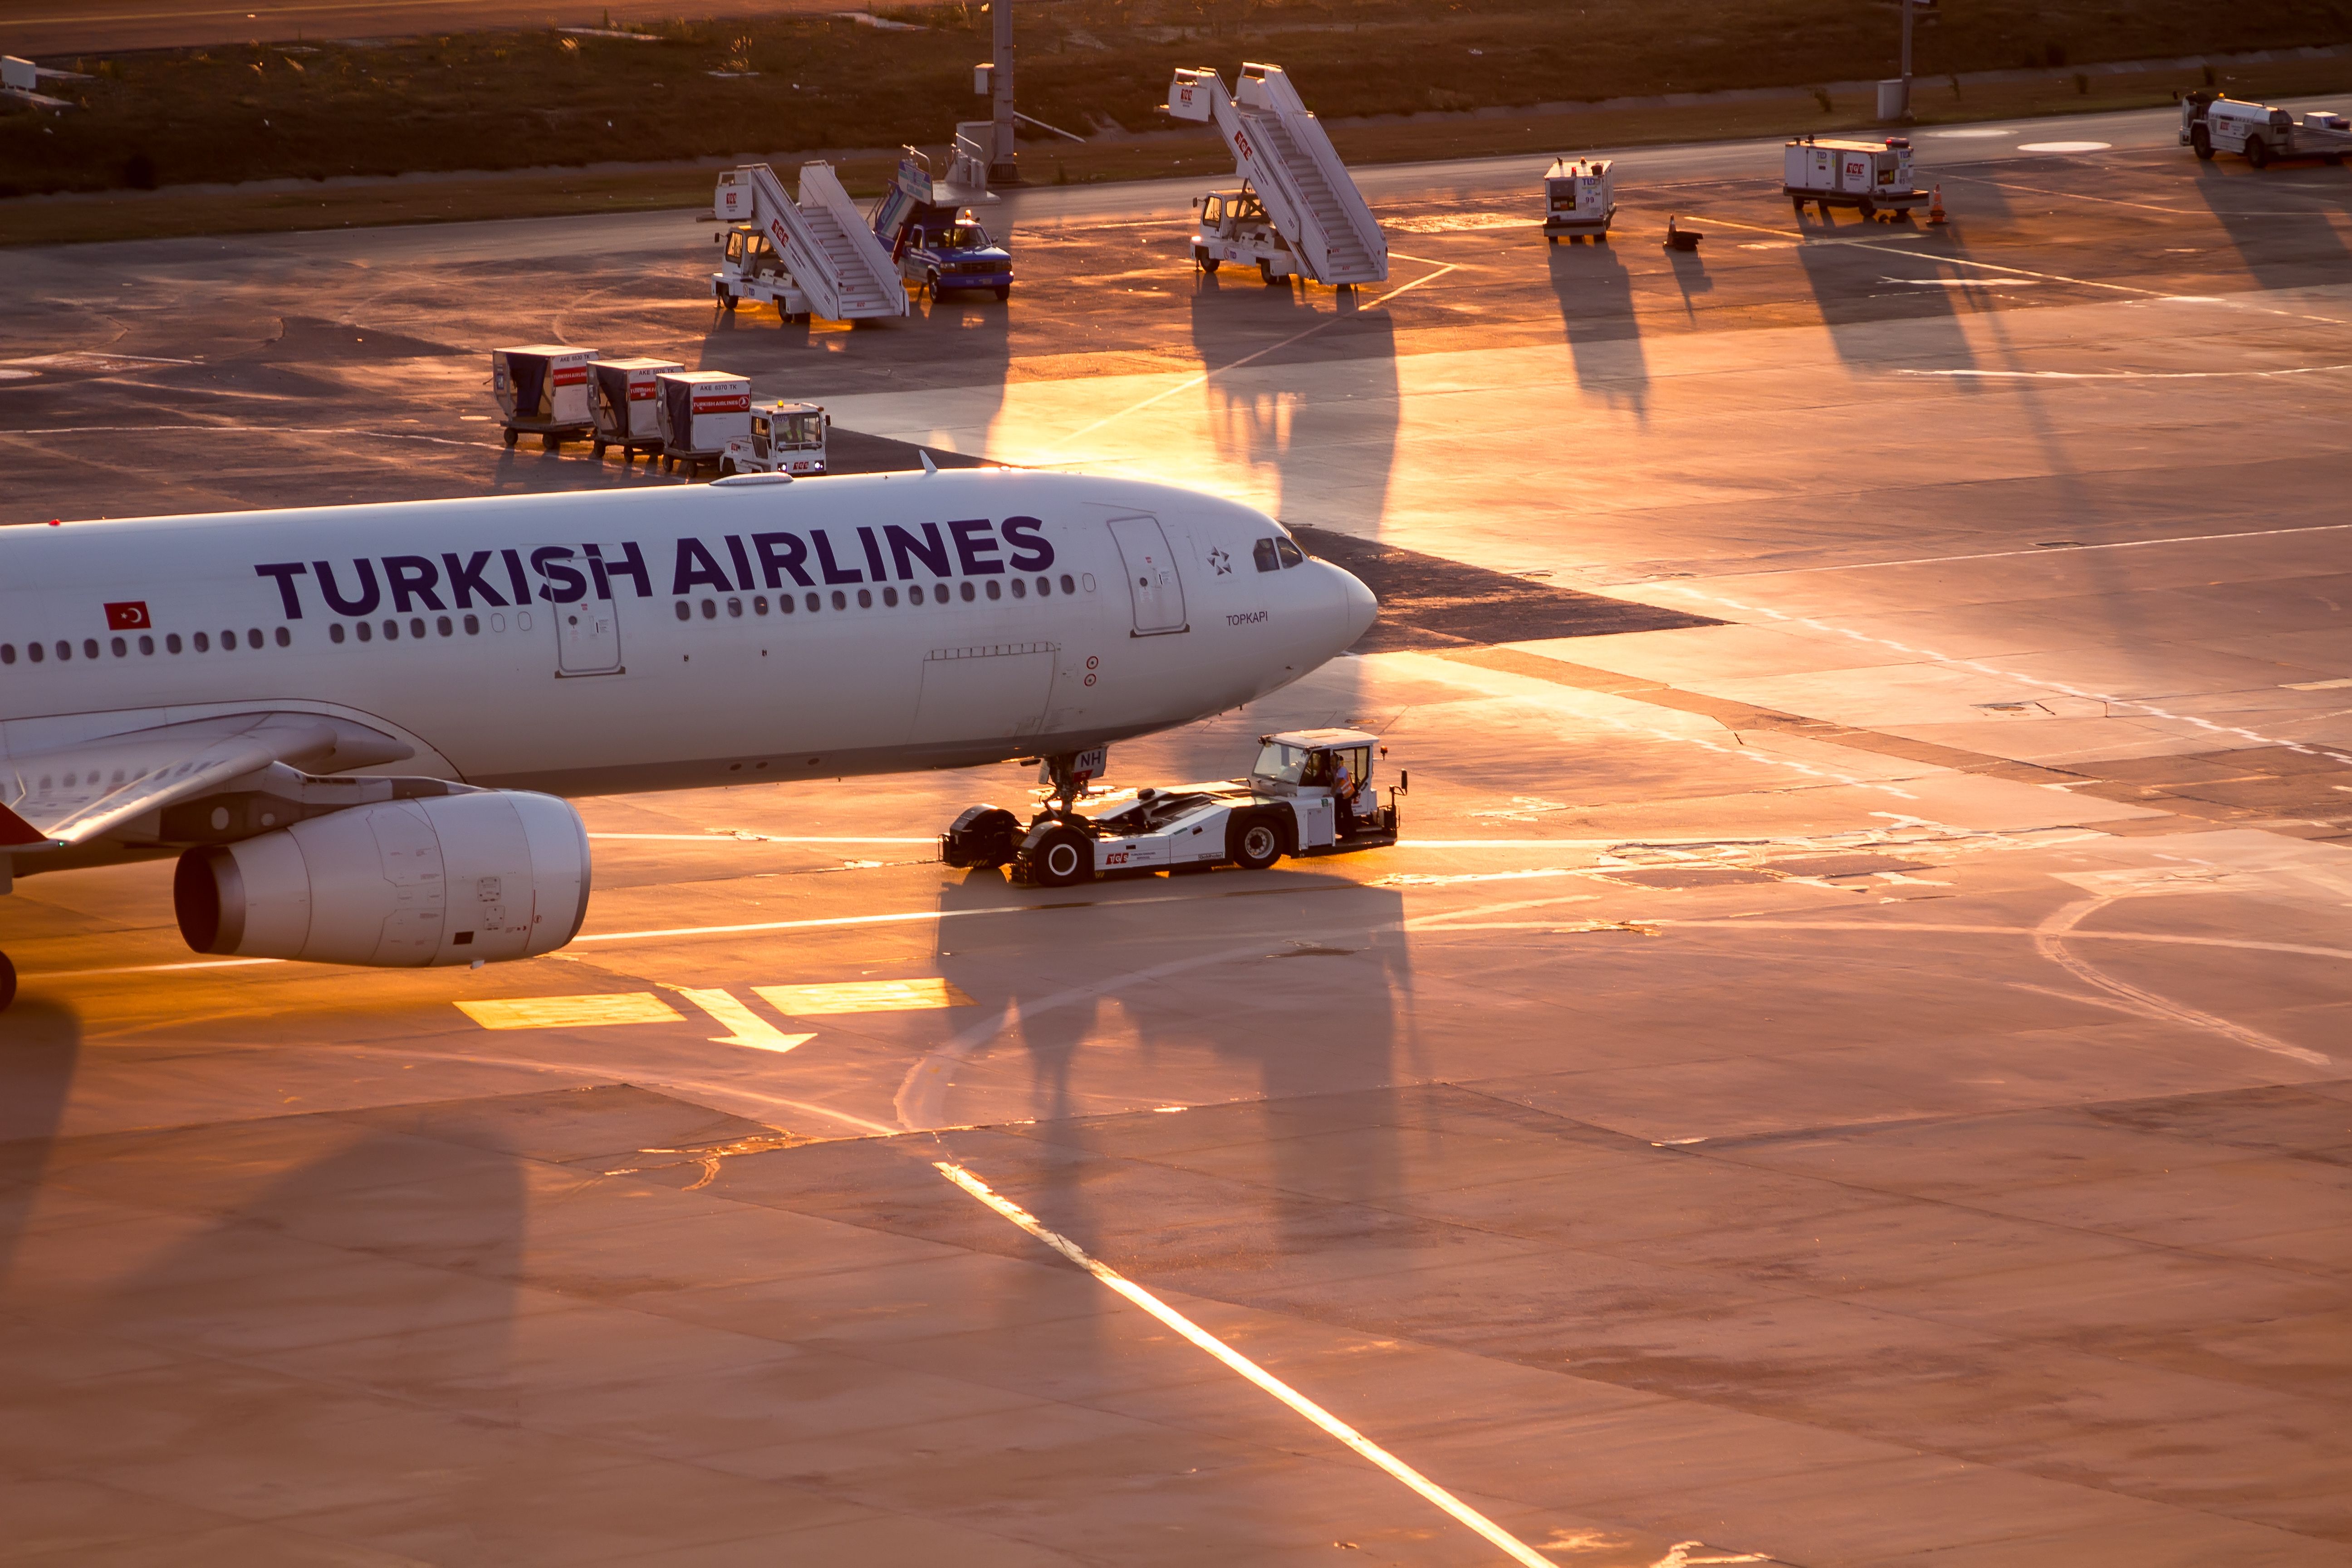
932,236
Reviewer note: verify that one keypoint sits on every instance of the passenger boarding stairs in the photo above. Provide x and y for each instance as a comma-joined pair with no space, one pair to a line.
1281,150
833,257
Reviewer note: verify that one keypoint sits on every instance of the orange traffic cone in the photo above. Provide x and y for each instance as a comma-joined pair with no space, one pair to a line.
1936,206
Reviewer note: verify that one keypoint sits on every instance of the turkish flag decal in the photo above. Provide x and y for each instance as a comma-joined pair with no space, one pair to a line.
128,617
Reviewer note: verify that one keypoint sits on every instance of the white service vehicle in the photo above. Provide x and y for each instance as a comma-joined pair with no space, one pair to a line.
350,724
785,438
1298,210
1579,198
703,413
1873,176
2211,125
1311,792
543,391
624,399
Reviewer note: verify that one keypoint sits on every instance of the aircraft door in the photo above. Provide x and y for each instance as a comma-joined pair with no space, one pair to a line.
1151,579
588,630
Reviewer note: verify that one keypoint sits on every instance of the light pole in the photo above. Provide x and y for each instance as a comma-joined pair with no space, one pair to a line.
1004,168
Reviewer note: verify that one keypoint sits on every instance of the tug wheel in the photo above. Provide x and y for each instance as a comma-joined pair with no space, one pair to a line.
1254,843
2200,142
1264,270
1203,260
2258,153
726,301
1063,858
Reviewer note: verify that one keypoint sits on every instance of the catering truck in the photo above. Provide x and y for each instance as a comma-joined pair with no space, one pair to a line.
1873,177
2210,124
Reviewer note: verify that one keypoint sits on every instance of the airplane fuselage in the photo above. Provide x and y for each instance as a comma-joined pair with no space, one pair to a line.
677,636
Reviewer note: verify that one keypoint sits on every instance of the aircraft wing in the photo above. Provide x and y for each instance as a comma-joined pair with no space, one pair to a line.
53,798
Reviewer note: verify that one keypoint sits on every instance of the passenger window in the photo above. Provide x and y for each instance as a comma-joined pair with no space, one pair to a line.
1263,552
1291,554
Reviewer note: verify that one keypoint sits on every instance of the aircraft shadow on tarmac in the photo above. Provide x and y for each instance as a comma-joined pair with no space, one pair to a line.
40,1049
1317,968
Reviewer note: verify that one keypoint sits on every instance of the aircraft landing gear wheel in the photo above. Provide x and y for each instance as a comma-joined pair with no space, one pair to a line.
2257,153
2200,142
1065,857
511,435
1255,843
8,983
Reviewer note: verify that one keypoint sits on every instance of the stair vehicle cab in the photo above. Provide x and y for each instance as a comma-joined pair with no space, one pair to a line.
1311,792
785,438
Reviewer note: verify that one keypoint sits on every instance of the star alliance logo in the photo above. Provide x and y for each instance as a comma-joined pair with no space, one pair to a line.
1222,561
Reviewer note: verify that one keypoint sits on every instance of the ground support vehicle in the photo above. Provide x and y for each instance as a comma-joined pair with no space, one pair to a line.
751,269
1874,177
928,226
625,402
1235,226
2211,125
1579,198
785,438
1311,792
701,411
543,391
816,254
1298,209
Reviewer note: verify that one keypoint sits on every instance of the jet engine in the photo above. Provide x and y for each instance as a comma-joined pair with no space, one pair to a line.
480,874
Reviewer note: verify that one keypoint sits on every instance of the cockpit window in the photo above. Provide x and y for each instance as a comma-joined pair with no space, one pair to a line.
1283,764
1290,554
1263,551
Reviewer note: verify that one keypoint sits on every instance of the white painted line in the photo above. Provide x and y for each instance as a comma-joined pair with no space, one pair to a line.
919,915
2038,549
757,838
750,1030
1496,1535
2336,685
149,968
2064,146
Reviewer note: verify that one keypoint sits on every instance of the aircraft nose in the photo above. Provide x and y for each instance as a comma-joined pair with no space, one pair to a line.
1358,609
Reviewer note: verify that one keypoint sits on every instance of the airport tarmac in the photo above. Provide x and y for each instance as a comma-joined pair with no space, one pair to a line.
1633,1158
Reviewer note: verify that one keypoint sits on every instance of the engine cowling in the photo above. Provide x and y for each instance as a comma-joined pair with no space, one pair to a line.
484,873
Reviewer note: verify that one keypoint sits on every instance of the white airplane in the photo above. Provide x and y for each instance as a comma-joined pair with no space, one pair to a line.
236,690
